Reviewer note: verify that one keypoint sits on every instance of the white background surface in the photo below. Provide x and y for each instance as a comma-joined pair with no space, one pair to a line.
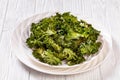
12,12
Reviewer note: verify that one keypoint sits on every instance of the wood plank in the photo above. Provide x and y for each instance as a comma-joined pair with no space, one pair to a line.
18,12
112,21
11,68
3,11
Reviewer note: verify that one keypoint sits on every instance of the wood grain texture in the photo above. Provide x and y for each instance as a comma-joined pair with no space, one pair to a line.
11,68
12,12
3,11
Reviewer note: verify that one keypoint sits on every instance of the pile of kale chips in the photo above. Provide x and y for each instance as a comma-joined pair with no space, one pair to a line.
63,37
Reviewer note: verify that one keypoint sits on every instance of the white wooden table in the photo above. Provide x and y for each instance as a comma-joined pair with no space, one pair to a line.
12,12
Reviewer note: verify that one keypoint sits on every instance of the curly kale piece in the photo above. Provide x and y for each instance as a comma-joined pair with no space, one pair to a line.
46,56
38,53
34,43
70,55
60,55
89,47
72,35
78,60
50,43
90,33
69,18
76,43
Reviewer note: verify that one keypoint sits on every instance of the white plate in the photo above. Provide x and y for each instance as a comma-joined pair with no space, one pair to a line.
20,50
